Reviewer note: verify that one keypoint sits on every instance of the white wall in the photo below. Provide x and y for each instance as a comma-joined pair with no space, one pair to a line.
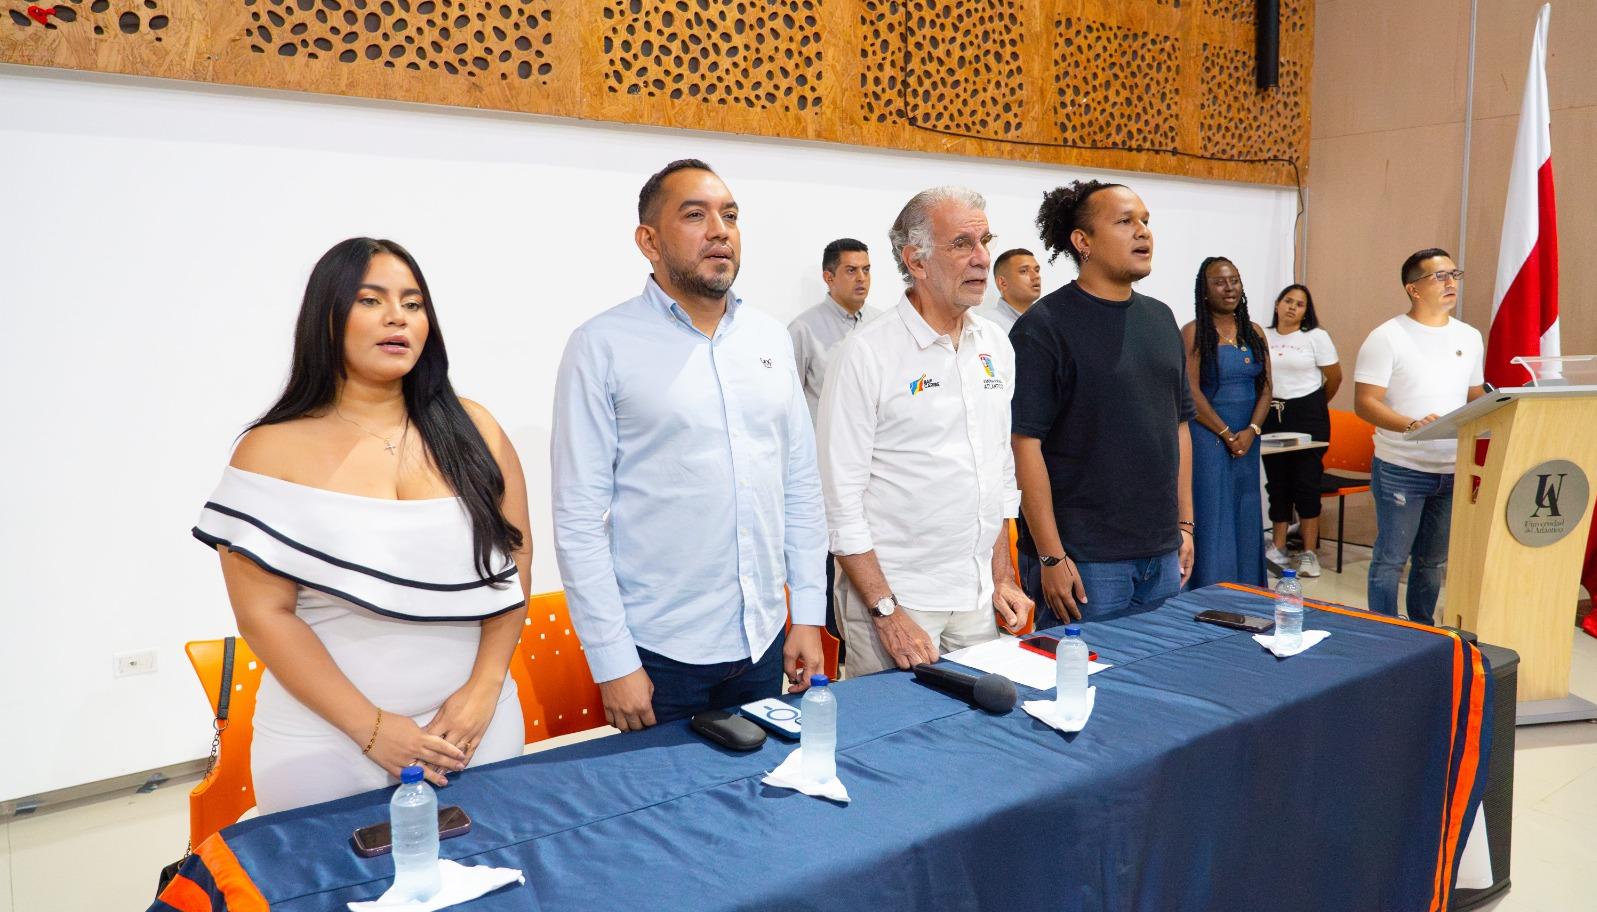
154,242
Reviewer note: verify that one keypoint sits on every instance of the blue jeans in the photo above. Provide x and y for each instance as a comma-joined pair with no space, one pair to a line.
682,689
1413,511
1113,588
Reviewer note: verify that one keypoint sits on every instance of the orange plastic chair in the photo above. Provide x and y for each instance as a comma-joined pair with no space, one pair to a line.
227,792
558,696
829,643
1014,558
1352,449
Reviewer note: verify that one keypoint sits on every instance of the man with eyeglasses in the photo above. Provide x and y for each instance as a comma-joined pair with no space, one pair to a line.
1412,369
916,468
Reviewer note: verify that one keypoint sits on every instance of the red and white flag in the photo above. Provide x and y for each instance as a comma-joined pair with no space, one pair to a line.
1525,299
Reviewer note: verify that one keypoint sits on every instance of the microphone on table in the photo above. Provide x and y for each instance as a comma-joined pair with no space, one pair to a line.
992,692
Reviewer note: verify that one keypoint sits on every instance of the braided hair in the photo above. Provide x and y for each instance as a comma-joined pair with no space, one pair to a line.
1206,340
1064,210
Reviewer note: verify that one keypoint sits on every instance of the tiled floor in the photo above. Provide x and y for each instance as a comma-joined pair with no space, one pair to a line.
125,839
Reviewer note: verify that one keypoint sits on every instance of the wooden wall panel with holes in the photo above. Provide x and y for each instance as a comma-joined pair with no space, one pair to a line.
1115,84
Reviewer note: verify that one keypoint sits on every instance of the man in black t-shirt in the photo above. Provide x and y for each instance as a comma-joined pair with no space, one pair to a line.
1100,413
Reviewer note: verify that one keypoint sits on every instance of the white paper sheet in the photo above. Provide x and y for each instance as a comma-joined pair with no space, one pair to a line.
1004,656
1475,867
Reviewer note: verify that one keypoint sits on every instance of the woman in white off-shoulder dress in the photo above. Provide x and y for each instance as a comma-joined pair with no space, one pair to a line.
372,528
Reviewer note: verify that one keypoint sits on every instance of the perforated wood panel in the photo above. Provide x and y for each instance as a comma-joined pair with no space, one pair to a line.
470,39
1124,84
760,56
1125,91
948,66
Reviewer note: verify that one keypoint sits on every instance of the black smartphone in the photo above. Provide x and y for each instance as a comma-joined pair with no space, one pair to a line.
378,839
1045,645
1235,621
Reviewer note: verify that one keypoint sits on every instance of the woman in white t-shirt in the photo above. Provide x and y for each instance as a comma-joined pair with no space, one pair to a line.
1306,374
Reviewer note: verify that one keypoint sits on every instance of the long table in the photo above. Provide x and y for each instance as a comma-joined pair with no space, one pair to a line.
1211,776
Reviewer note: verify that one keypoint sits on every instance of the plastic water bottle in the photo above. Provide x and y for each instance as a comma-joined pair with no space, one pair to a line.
1288,613
818,731
413,818
1071,674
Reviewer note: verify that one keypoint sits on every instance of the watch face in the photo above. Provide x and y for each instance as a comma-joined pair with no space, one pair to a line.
884,607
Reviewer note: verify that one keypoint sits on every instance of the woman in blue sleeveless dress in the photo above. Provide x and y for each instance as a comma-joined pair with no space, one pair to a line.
1228,369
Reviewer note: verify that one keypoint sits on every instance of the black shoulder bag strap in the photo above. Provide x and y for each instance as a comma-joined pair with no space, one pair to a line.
224,699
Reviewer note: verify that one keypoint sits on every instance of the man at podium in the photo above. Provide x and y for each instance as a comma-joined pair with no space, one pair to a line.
1412,369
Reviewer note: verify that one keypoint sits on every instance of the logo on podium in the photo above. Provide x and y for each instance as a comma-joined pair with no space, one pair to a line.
1547,503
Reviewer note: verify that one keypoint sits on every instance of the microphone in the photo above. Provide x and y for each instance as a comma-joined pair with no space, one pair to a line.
992,692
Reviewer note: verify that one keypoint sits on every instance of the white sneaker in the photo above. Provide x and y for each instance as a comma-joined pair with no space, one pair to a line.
1274,556
1308,564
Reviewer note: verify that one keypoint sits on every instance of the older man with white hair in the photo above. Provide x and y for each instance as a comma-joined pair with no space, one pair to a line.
916,466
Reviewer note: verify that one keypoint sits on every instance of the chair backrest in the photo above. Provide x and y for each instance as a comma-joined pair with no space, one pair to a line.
1352,443
222,797
558,696
1014,559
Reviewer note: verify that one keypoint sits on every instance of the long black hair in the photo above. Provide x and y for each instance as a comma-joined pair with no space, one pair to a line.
1206,341
447,432
1310,320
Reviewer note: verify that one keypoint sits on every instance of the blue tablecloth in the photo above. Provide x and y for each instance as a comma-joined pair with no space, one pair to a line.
1212,776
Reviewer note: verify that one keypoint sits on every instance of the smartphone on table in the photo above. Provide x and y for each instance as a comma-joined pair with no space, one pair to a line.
1045,645
378,839
1235,620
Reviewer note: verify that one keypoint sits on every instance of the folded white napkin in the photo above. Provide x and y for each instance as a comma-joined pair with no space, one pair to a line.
460,883
787,775
1047,712
1311,638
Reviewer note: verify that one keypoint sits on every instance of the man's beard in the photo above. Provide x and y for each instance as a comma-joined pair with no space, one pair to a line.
689,280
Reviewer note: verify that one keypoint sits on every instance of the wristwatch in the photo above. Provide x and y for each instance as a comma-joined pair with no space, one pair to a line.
1049,561
1255,428
885,607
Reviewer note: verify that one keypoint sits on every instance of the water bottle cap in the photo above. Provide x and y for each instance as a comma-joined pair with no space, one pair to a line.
411,774
819,680
1289,574
1071,630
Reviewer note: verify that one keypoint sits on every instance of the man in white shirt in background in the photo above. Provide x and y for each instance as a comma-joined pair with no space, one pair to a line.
846,270
1411,370
1019,279
916,467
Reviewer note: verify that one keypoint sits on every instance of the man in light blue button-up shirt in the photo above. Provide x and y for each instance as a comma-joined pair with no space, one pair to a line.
686,492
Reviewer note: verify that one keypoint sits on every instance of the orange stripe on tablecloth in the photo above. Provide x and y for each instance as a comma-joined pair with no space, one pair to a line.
231,878
1342,609
185,895
1468,766
1449,837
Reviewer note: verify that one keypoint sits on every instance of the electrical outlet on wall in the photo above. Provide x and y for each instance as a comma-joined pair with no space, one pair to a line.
134,663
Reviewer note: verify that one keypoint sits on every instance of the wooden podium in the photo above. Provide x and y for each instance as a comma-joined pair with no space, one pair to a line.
1519,531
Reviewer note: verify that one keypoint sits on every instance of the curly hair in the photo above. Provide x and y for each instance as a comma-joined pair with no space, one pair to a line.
1206,340
1063,210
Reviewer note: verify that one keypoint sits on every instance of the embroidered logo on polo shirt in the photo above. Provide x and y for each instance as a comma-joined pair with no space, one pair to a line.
766,362
922,383
991,382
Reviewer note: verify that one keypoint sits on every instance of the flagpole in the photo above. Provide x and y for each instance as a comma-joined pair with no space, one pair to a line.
1469,129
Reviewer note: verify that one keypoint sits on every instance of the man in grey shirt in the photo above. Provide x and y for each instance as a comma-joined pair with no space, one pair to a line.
846,270
1019,279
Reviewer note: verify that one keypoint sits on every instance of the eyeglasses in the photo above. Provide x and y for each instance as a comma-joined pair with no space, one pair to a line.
1443,275
965,246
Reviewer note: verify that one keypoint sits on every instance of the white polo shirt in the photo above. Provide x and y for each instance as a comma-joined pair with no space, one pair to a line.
1425,370
915,456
